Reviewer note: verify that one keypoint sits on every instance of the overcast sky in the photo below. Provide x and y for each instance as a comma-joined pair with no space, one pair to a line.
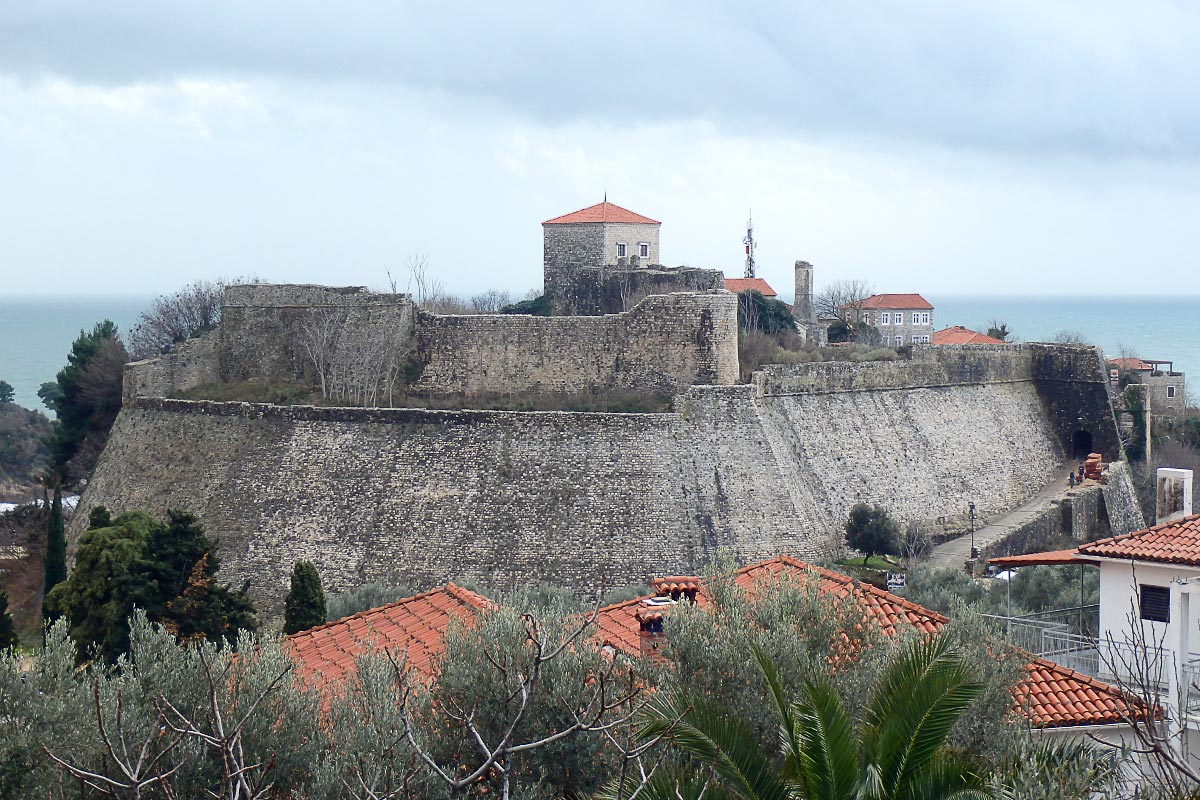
935,147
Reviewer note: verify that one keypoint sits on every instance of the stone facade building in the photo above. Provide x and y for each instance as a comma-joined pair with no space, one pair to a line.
604,259
1165,386
601,235
901,319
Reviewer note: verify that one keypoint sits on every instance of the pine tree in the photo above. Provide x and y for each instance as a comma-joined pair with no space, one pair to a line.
8,632
304,607
56,547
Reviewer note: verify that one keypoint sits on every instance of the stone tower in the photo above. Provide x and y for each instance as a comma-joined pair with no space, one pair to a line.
803,309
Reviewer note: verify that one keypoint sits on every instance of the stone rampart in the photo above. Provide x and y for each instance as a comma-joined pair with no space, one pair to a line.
189,364
279,333
504,497
662,345
576,289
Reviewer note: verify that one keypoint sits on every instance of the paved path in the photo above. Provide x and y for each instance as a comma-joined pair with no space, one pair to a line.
955,552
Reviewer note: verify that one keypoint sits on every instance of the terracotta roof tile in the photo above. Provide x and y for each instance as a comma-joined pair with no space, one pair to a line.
414,626
1130,363
901,301
1051,695
1175,542
601,212
957,334
748,284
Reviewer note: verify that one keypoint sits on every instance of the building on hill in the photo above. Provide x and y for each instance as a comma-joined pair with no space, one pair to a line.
601,235
957,334
603,259
751,285
1166,386
900,318
1054,699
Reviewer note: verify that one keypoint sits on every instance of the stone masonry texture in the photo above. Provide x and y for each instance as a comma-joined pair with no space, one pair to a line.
661,345
582,499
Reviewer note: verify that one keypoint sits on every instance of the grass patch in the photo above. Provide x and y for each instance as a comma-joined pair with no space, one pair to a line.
280,394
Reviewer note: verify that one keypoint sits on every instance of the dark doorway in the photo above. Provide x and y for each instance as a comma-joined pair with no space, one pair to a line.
1081,444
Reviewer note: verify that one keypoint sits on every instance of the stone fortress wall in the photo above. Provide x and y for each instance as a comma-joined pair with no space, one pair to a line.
578,499
661,345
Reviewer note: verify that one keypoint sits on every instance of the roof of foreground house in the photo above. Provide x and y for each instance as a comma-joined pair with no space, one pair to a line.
1175,542
957,334
750,284
602,212
1051,695
415,626
887,301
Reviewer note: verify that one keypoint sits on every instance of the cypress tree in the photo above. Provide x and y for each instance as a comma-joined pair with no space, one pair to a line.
305,604
56,546
8,632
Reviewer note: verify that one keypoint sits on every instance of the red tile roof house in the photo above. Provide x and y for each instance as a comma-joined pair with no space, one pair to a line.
1055,699
1149,616
957,334
900,318
751,284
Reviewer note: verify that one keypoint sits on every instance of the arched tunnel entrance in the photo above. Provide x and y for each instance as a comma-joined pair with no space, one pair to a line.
1081,444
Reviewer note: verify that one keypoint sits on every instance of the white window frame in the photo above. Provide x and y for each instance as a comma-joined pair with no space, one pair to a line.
898,318
622,247
899,340
885,318
1170,391
643,249
925,318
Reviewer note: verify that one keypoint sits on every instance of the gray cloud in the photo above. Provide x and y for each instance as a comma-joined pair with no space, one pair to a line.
1089,78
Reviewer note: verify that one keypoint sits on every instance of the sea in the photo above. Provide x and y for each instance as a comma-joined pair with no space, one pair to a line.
36,332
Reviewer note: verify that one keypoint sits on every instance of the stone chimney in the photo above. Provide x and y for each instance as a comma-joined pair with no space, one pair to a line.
803,309
1174,495
650,633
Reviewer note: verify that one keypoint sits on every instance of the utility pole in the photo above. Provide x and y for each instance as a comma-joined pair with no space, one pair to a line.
748,240
974,552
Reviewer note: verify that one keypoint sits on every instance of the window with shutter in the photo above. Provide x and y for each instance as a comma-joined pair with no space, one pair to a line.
1156,603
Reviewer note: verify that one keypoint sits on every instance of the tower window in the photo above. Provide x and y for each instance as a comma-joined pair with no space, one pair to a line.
643,249
620,249
1170,391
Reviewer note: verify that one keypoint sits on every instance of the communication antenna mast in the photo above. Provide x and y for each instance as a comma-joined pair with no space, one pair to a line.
750,245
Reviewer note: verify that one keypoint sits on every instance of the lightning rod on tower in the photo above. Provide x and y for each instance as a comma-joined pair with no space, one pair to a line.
748,240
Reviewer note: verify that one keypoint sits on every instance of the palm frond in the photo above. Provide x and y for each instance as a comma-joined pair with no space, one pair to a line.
710,735
827,753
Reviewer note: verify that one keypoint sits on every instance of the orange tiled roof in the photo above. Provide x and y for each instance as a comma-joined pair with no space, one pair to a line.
1052,695
1130,363
957,334
1175,542
1052,557
748,284
414,626
601,212
900,301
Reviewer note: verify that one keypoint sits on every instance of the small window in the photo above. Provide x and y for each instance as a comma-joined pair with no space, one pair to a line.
643,250
620,249
1156,603
899,341
898,317
1170,391
885,318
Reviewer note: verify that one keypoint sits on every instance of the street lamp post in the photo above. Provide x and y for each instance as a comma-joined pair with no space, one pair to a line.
974,552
